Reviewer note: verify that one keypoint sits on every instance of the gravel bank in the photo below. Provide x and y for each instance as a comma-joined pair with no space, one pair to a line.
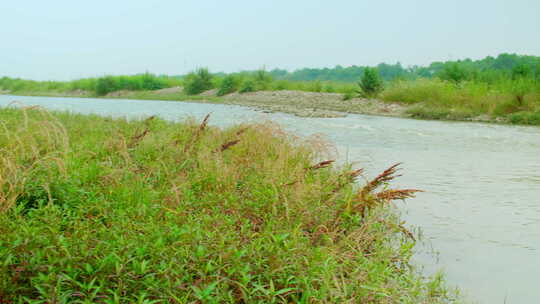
310,104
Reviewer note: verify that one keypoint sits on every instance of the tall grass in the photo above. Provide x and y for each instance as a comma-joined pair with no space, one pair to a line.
96,86
457,94
434,98
95,210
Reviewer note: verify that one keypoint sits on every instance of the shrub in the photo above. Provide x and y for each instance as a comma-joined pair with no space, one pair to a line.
315,86
262,76
329,88
537,72
151,82
280,85
348,96
247,86
507,107
105,85
228,85
525,118
262,80
416,91
454,72
198,81
520,88
371,83
521,71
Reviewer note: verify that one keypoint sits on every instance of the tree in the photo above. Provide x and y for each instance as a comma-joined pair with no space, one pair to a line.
453,72
521,71
371,83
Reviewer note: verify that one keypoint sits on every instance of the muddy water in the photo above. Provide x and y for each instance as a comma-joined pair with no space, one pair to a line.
481,208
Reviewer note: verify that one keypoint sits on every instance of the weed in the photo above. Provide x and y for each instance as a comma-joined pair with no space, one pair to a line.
198,81
125,213
228,85
247,86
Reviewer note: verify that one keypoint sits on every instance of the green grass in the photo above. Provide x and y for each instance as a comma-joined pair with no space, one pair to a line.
502,97
150,95
147,82
315,86
91,86
100,210
525,118
437,99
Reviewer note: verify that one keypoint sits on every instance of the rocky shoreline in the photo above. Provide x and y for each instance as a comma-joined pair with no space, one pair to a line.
310,104
298,103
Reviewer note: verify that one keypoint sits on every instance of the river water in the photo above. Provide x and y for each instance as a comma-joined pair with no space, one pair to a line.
481,208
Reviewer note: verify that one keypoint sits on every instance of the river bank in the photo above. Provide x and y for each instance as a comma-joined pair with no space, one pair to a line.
158,210
472,173
298,103
306,104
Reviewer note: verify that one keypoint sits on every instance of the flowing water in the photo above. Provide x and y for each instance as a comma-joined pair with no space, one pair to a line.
481,208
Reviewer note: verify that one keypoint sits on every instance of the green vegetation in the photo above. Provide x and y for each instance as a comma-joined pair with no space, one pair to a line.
259,80
108,84
507,87
198,82
228,84
489,68
504,88
92,86
247,86
341,74
438,99
371,83
96,210
454,72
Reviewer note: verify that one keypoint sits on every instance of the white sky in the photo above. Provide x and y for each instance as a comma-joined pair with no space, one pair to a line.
61,39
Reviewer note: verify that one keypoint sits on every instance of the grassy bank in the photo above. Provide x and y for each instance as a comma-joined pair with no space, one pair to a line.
505,89
101,86
98,86
516,101
96,210
507,101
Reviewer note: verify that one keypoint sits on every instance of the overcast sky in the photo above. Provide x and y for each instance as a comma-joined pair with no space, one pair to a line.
66,39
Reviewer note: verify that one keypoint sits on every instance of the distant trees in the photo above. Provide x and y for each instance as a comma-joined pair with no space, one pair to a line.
521,71
453,72
488,69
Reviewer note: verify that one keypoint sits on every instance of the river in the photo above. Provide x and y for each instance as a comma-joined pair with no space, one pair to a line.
481,208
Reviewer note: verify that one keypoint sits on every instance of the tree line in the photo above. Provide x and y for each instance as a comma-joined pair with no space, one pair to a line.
487,69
